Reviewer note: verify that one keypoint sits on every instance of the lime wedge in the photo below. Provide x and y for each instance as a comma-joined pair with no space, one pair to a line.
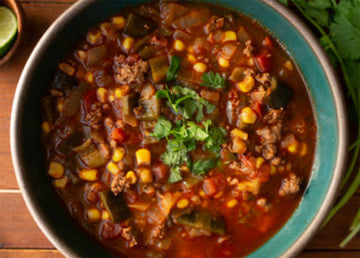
8,29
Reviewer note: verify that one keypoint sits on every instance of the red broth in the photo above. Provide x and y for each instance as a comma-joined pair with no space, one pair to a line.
179,130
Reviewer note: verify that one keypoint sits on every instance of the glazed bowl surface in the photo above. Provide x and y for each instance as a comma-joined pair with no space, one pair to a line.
323,87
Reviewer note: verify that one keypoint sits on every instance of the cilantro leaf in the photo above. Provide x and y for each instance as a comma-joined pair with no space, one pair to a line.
201,167
196,132
175,174
215,139
192,104
321,16
319,4
174,68
162,128
345,30
213,80
176,153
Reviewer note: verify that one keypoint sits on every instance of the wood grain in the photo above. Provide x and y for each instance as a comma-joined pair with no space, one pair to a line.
17,227
29,253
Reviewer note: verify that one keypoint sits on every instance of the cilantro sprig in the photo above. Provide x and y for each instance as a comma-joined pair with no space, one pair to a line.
186,101
213,80
184,137
338,24
174,68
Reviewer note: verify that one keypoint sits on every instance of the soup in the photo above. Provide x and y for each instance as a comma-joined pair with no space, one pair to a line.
179,130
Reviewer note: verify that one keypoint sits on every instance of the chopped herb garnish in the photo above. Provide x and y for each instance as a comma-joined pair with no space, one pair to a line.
162,128
201,167
184,136
175,174
174,68
213,80
187,101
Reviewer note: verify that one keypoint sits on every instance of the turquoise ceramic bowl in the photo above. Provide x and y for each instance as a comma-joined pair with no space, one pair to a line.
300,43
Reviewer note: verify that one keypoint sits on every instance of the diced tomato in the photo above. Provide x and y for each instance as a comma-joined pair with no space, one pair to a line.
133,138
256,106
264,61
264,173
267,43
246,161
209,187
110,230
89,99
118,135
161,172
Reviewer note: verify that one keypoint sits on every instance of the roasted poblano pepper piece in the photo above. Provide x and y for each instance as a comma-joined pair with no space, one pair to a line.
203,220
137,26
115,206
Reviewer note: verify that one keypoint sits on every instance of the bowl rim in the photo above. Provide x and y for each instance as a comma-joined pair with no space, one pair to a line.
301,28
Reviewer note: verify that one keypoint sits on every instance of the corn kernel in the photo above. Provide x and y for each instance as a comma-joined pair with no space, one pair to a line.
259,162
88,174
239,133
131,177
118,154
184,168
89,77
247,84
93,214
104,215
60,105
248,116
93,36
232,203
182,203
81,54
292,148
251,61
191,58
102,95
202,193
273,170
143,157
113,168
128,43
223,62
179,45
56,170
229,36
111,98
288,65
45,127
200,67
190,50
238,146
118,22
120,92
303,149
105,28
61,183
66,68
145,175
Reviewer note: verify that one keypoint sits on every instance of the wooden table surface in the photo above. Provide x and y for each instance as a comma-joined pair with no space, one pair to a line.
20,236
